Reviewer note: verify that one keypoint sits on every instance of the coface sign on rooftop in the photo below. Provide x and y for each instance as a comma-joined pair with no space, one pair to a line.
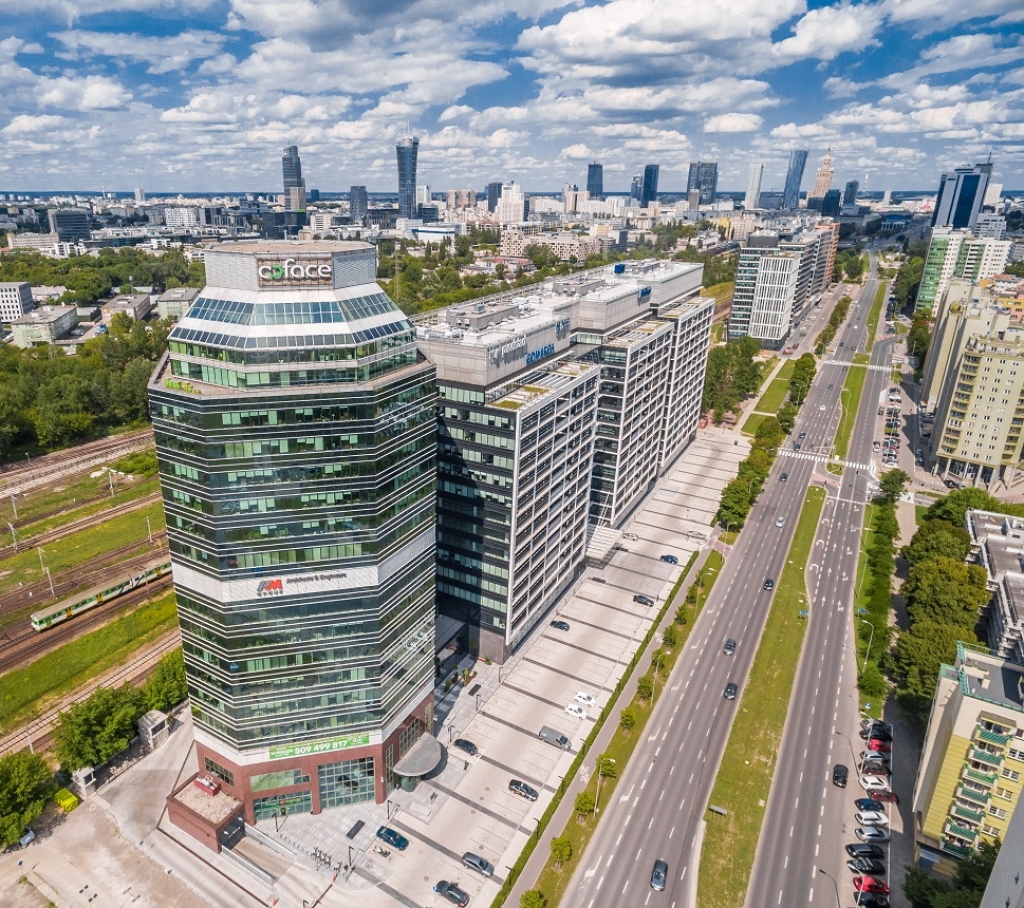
280,272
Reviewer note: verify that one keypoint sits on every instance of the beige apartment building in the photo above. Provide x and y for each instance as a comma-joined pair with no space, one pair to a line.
969,782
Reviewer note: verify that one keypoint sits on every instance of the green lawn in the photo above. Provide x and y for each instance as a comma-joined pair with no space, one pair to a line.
876,312
773,397
722,293
27,691
786,371
850,396
752,422
71,494
745,775
919,511
578,830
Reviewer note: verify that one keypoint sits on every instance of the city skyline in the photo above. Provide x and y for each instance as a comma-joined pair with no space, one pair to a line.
200,95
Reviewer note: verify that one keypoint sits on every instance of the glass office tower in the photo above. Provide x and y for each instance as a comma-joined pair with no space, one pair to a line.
295,430
407,151
794,177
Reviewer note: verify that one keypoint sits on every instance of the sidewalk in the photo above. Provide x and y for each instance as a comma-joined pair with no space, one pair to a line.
566,808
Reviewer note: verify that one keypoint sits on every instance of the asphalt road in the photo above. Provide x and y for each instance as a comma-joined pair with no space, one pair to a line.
663,793
808,820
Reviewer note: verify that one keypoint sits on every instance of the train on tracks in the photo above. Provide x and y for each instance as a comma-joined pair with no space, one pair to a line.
82,602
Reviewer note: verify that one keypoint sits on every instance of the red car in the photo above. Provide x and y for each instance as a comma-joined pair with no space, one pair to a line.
870,884
879,745
888,796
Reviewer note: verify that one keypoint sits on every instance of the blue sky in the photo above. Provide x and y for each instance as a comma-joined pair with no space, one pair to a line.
201,95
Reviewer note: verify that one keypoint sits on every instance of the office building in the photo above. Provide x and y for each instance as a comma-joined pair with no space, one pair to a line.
703,176
850,193
649,193
969,781
976,372
140,195
493,196
561,405
423,196
511,204
636,189
595,180
70,224
295,427
823,178
358,204
794,177
294,184
43,325
15,300
182,217
831,203
752,199
960,196
990,226
176,302
957,253
406,151
993,196
997,545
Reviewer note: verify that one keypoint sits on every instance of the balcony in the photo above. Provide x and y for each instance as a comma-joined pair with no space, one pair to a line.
983,756
976,775
965,813
991,737
961,832
981,798
954,849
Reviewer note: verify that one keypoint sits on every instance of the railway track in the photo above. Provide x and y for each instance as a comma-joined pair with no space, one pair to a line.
83,523
37,734
26,645
15,479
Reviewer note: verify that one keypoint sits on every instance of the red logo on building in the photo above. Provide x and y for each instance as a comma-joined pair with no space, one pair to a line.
270,588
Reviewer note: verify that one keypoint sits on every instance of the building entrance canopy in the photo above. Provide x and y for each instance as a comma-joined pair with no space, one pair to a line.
422,757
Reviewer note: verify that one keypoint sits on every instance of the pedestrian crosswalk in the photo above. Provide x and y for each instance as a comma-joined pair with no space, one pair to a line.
845,362
824,458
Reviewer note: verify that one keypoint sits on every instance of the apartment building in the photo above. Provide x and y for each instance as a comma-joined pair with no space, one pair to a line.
997,544
969,781
955,253
15,300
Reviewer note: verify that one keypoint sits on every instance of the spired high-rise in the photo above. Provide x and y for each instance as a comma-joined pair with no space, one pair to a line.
294,423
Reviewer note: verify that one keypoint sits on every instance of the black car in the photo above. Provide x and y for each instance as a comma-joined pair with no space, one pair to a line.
769,584
466,746
730,690
863,804
560,625
520,788
803,434
784,477
643,600
840,775
671,559
865,850
874,769
866,865
452,892
659,875
730,647
395,839
796,446
876,733
873,900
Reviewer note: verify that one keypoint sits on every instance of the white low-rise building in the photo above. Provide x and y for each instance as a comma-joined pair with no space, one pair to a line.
44,325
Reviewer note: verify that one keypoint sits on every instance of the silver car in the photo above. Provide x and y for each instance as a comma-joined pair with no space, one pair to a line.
477,863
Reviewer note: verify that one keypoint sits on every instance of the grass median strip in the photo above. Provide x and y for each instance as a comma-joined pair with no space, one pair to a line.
553,880
876,311
850,398
27,691
748,764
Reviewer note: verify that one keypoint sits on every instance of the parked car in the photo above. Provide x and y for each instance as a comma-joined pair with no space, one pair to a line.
466,746
867,803
453,893
840,775
879,745
518,787
873,783
876,733
585,698
871,819
671,559
872,834
560,625
885,797
643,600
874,769
865,850
477,863
870,884
866,865
873,900
632,537
574,709
875,756
395,839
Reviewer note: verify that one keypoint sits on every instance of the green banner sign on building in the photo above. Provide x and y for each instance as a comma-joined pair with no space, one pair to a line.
318,747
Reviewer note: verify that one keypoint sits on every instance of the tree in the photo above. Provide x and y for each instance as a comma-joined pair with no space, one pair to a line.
892,484
872,683
938,539
606,766
63,412
166,687
918,338
946,591
93,731
26,784
561,851
787,416
954,507
670,636
627,719
916,659
968,886
584,805
533,898
645,687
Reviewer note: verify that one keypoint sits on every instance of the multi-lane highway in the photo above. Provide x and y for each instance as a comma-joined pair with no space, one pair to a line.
663,794
806,813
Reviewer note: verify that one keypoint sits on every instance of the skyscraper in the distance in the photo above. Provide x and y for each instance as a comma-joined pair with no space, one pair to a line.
294,185
703,176
407,150
636,190
850,193
960,196
595,180
650,186
794,177
358,204
493,194
752,199
823,178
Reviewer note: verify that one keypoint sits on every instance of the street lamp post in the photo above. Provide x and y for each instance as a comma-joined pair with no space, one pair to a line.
871,638
853,754
600,771
834,884
657,666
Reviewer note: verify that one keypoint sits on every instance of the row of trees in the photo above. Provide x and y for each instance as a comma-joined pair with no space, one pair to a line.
49,400
908,279
828,333
849,265
969,881
733,374
91,278
944,597
89,734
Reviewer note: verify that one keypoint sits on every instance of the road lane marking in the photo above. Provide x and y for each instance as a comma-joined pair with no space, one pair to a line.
672,832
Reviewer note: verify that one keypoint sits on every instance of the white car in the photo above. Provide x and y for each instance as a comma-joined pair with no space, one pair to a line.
874,783
871,819
578,711
585,698
632,537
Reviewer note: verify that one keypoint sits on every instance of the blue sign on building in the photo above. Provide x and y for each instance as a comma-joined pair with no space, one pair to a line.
534,355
